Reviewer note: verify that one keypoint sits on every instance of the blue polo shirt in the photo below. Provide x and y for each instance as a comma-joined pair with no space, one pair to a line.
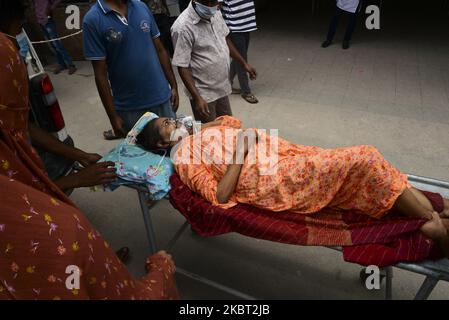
135,72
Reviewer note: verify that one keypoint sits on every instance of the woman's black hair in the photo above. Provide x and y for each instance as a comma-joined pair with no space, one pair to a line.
10,11
149,137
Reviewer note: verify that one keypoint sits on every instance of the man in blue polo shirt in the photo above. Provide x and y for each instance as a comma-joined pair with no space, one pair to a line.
131,66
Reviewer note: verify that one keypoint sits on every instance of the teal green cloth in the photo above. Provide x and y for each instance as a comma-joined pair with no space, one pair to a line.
136,166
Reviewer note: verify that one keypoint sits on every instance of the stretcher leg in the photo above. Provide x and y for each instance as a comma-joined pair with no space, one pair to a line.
176,237
148,222
389,283
199,278
426,288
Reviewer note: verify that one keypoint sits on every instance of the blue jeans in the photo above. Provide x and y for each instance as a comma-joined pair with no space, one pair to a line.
62,55
131,117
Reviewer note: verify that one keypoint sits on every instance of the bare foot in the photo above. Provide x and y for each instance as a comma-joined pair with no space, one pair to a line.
445,213
436,230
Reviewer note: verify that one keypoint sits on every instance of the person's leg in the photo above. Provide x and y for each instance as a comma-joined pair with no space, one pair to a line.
240,41
422,199
64,59
223,107
333,27
414,207
164,110
445,213
232,73
212,115
350,29
47,31
130,118
233,69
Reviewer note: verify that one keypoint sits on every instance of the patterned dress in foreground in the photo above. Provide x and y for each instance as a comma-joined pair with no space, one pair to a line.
42,234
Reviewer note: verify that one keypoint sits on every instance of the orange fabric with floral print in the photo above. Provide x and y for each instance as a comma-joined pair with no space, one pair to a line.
305,180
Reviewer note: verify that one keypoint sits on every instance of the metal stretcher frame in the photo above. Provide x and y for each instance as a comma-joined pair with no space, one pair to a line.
434,271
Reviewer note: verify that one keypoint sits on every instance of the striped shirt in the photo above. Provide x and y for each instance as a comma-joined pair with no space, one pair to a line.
239,15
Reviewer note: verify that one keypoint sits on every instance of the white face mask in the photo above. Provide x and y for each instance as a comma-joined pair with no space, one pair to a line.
205,12
179,133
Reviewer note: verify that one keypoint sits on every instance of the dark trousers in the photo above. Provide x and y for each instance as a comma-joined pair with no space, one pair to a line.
241,42
217,108
334,23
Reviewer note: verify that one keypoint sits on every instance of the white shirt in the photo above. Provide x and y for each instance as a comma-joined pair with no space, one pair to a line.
348,5
201,46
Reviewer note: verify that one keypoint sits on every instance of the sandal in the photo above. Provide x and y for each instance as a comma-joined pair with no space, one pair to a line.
250,98
110,135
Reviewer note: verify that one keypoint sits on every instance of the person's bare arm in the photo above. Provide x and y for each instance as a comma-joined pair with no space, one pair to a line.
94,175
44,140
187,79
237,57
214,123
164,58
228,183
104,90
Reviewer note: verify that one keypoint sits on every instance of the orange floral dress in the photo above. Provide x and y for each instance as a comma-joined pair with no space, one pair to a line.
305,180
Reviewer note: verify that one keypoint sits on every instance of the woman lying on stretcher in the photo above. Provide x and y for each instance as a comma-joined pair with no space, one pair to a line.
296,178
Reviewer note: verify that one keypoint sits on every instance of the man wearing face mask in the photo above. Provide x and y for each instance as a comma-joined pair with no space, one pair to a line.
202,55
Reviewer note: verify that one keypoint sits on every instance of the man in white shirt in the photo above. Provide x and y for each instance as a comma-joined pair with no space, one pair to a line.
347,7
202,56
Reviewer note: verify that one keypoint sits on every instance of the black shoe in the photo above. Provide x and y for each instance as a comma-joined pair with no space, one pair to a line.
326,44
345,45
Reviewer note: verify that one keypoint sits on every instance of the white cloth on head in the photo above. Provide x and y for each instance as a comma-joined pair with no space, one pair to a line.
348,5
138,127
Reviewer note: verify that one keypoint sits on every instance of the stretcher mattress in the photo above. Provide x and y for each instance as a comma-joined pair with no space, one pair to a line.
365,240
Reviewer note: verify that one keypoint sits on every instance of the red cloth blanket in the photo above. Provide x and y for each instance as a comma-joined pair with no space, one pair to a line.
365,240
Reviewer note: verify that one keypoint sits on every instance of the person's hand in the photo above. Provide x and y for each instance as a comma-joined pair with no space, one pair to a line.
155,261
215,123
251,71
86,159
174,99
94,175
117,126
169,259
202,107
245,137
